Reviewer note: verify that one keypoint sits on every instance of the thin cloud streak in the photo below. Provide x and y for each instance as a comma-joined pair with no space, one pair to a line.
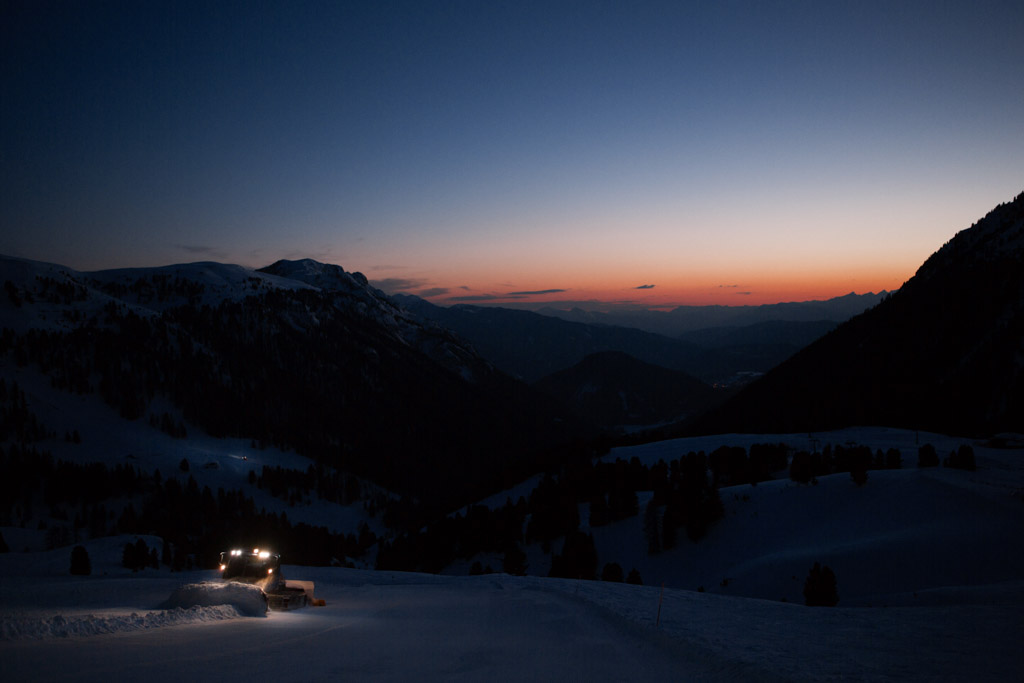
398,284
211,253
537,292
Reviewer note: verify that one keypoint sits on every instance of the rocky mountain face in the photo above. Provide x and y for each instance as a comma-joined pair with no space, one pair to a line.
353,291
944,353
300,355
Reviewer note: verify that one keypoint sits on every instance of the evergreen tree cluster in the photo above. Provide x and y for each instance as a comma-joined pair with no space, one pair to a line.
296,486
857,460
196,522
684,492
81,565
578,559
66,490
962,458
137,556
927,456
17,422
683,498
820,587
732,465
462,535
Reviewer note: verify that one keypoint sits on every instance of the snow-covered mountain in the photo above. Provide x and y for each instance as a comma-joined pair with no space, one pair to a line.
323,365
356,293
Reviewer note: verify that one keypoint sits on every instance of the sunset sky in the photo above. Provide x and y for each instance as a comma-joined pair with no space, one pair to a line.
628,153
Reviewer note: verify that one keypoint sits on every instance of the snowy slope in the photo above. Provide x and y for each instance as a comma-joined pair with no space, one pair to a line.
56,297
907,537
395,626
213,462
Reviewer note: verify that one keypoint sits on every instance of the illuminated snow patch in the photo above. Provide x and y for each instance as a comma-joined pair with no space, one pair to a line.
249,600
64,626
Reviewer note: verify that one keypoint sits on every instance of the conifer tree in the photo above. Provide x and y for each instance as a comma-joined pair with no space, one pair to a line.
80,564
612,572
820,587
927,456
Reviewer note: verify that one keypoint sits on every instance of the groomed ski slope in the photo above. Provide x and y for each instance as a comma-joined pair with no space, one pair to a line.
929,568
397,626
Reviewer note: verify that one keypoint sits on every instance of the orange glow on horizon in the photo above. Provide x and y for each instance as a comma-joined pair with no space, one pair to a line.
691,289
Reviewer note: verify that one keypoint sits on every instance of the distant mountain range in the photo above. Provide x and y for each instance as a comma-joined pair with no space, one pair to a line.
531,345
683,319
944,353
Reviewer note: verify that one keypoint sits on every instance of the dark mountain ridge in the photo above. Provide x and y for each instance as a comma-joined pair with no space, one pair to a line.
333,370
683,319
943,353
531,346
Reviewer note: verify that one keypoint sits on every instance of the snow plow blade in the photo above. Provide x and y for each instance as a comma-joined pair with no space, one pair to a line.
293,595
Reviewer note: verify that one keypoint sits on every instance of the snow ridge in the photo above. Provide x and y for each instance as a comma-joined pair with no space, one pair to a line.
192,603
64,626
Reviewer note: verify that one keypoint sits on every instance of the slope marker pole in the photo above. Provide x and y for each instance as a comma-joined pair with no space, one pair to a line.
657,621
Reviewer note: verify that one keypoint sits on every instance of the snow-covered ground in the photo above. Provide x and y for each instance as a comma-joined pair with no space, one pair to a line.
897,540
396,626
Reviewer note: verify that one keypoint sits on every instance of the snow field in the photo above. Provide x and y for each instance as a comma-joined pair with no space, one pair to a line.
401,626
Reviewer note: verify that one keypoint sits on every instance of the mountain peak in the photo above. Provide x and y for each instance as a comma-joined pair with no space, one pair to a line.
323,275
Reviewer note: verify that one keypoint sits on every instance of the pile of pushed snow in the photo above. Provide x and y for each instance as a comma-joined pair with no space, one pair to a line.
192,603
249,600
63,626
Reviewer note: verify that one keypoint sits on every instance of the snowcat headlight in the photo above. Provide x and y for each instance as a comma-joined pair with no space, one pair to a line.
270,571
264,555
236,553
223,567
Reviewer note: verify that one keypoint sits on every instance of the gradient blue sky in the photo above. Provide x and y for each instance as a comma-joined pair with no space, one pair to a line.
724,152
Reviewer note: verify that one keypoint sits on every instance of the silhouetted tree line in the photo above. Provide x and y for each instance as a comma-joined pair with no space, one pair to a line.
296,486
155,287
17,422
476,530
683,498
196,522
855,459
962,458
732,465
137,556
55,292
